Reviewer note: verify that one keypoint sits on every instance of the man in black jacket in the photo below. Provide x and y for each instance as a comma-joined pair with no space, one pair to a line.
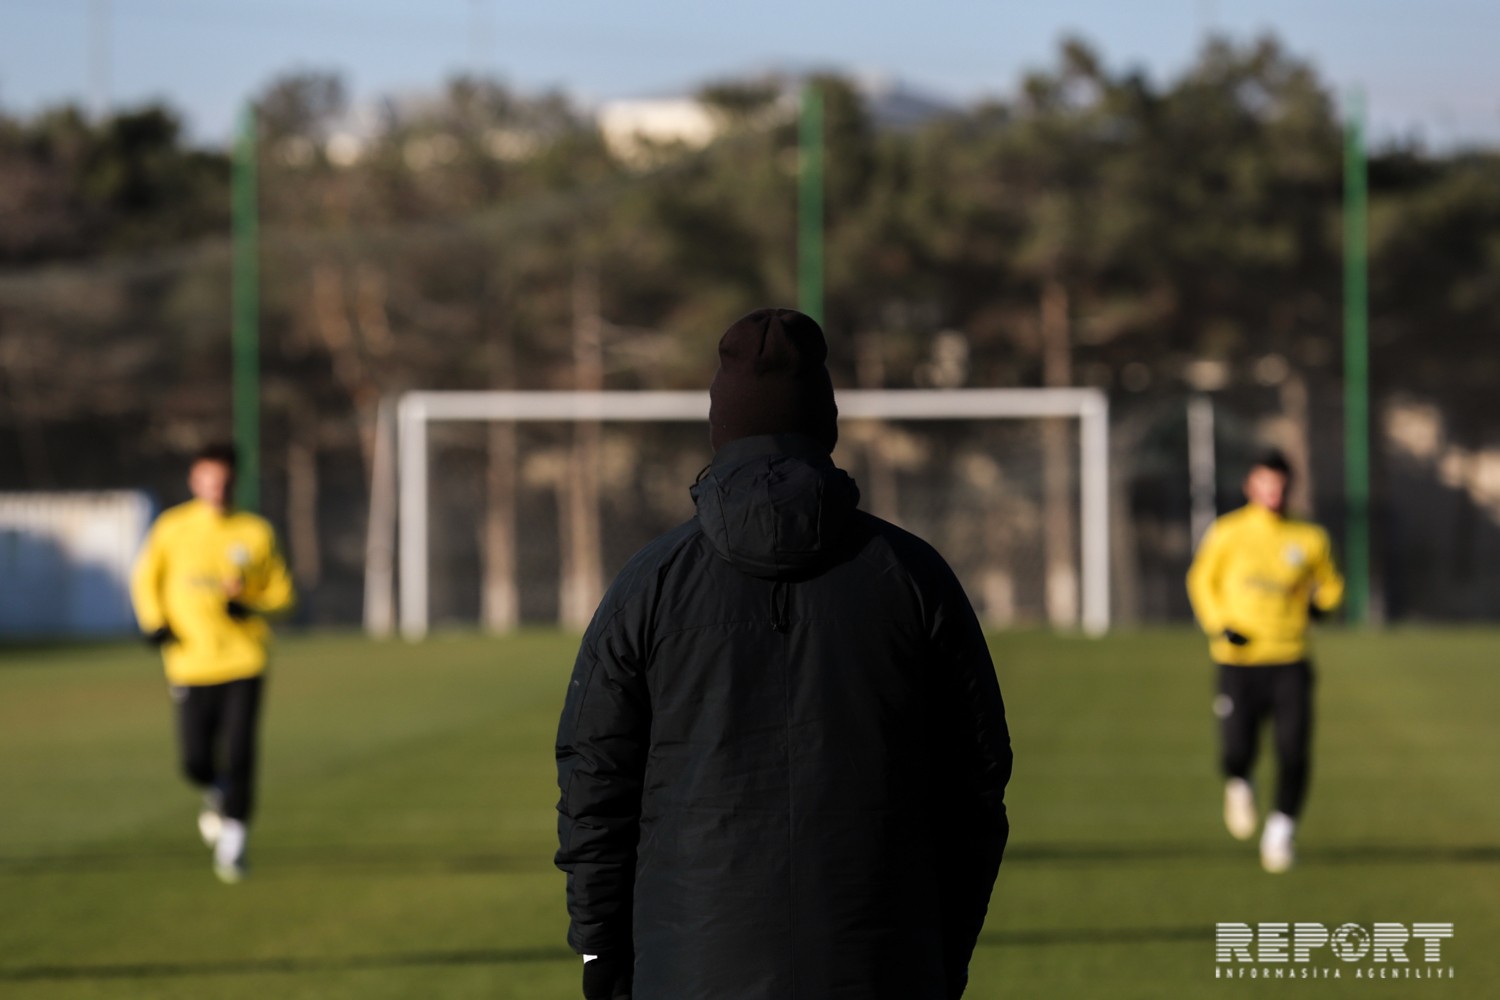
783,754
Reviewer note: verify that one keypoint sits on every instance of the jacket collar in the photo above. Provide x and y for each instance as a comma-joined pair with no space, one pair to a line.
205,509
1264,513
794,444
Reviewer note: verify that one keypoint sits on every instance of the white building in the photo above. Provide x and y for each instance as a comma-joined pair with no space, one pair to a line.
639,130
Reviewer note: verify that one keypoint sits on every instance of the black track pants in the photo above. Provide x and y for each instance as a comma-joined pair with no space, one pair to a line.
216,727
1246,696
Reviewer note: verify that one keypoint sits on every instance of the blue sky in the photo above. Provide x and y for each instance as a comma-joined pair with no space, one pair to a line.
1427,66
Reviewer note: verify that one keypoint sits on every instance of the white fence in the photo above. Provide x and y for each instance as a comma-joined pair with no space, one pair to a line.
65,562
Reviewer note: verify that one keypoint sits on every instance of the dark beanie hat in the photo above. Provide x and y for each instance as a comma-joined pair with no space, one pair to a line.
772,379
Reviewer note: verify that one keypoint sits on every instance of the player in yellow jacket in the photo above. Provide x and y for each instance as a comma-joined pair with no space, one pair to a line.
1257,578
205,582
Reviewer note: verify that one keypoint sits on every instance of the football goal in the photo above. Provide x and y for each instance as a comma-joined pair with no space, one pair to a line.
1012,485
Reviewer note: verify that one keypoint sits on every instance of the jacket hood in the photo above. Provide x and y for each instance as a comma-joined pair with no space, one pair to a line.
775,506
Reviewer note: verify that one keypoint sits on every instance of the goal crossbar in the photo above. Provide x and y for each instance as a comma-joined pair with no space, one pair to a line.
417,409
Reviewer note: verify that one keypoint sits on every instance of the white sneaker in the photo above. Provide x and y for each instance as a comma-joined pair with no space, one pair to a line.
1277,850
1239,809
210,824
211,816
229,852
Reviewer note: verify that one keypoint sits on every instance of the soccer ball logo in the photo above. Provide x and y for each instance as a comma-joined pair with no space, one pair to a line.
1350,942
1294,556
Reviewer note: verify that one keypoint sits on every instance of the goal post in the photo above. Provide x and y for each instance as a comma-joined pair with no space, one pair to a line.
416,411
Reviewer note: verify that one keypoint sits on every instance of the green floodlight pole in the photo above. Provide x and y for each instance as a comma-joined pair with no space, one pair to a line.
245,305
810,204
1356,365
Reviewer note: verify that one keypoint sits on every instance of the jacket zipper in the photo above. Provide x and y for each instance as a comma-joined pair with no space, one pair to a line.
779,601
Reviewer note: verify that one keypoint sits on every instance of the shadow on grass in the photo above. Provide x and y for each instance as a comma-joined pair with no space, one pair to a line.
418,858
255,966
1094,935
1087,854
1313,854
515,956
23,653
269,860
1402,854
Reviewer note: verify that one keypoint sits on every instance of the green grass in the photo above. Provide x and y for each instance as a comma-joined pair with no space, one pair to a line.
404,841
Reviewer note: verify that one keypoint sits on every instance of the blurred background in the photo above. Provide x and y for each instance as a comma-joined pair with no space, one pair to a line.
460,196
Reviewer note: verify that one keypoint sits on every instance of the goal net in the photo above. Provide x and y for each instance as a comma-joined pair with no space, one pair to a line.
520,506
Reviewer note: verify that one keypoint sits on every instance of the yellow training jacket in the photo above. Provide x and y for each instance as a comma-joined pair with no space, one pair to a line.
179,581
1256,573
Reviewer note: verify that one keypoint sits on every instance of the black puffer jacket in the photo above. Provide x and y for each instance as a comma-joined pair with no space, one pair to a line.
783,754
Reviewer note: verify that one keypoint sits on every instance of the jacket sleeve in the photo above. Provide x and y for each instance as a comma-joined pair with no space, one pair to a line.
972,709
601,759
1203,581
270,590
1328,583
146,582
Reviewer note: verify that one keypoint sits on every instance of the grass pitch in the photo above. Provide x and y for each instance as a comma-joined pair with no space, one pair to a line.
403,847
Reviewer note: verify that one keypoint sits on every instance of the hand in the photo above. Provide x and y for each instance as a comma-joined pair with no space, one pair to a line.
160,637
239,612
608,977
233,587
1235,639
